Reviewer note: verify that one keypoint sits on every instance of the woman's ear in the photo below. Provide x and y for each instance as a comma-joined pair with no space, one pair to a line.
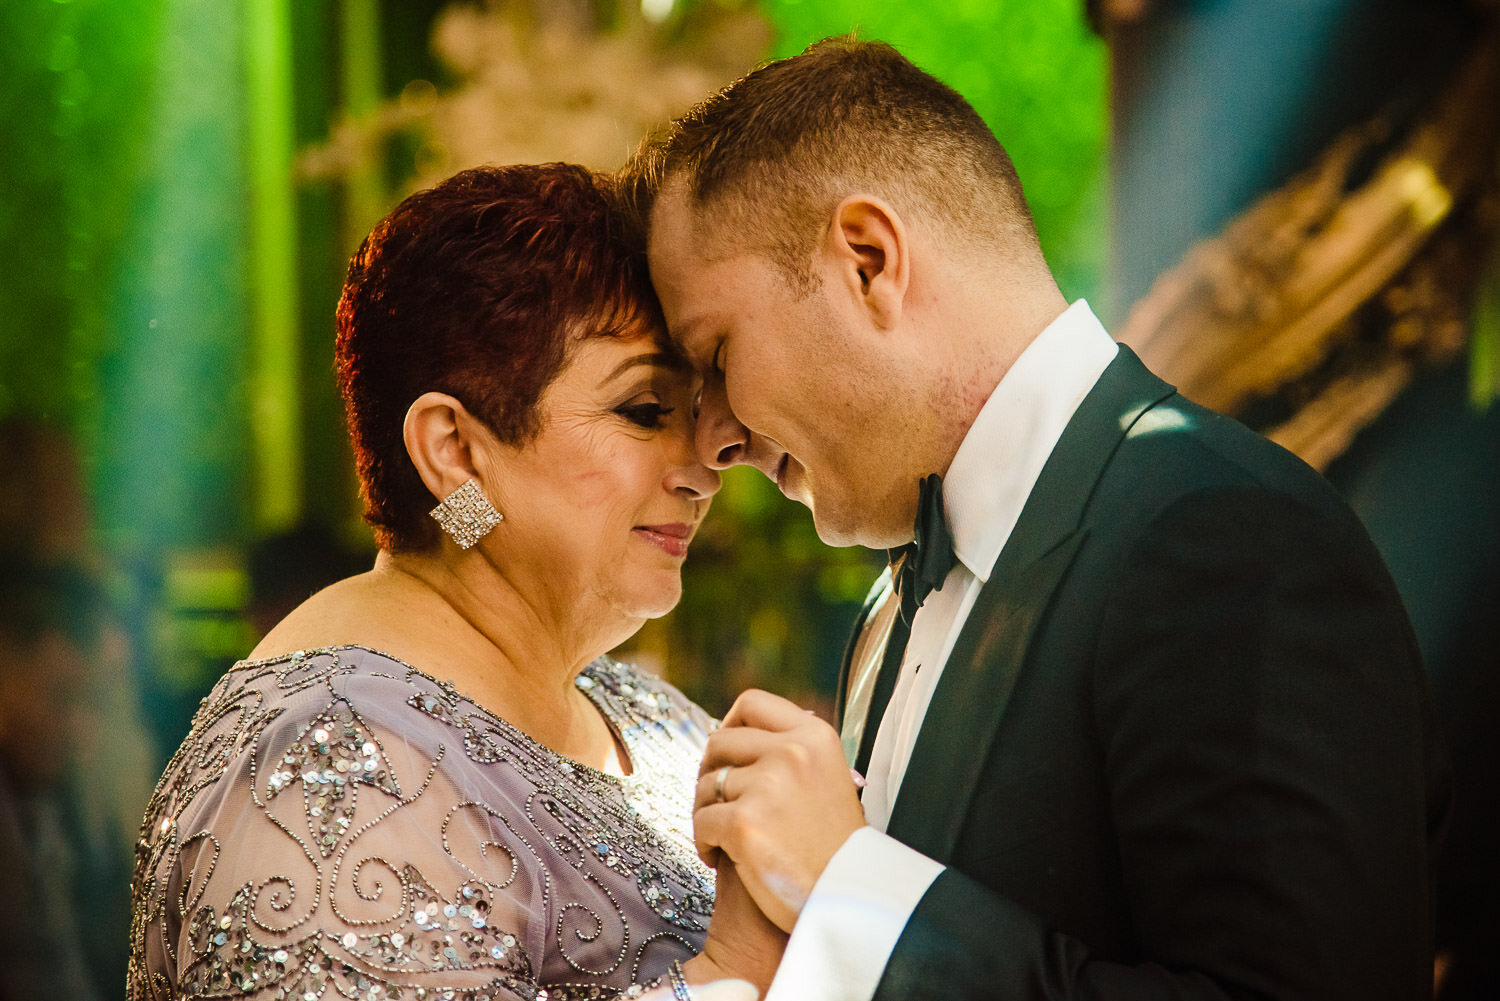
870,248
440,435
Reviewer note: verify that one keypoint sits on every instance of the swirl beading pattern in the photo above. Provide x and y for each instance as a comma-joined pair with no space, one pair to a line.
340,825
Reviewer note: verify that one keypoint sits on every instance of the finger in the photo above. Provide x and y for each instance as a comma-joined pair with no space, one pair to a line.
737,747
814,744
721,785
708,788
712,824
765,711
728,783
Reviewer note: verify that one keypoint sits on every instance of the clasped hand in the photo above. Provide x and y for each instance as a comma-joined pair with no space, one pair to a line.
784,806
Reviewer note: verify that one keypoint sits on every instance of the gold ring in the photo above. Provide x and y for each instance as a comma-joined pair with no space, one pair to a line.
720,777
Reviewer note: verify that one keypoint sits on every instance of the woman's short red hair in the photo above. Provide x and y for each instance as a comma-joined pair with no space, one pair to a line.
475,288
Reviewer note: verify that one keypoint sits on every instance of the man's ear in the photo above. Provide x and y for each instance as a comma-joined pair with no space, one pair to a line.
440,435
871,249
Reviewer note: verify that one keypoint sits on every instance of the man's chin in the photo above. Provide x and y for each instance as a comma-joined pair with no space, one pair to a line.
834,531
837,525
842,529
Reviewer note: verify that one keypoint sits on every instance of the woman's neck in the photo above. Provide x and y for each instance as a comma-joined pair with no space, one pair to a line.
481,611
469,626
503,643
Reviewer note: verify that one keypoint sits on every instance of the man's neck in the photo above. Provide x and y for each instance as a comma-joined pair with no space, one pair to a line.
987,332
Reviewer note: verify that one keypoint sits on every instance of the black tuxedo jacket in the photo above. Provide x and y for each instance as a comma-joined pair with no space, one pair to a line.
1181,748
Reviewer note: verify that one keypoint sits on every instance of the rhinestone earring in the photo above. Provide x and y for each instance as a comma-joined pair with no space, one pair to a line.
467,514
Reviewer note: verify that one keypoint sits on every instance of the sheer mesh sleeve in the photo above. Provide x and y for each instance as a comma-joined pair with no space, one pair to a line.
333,836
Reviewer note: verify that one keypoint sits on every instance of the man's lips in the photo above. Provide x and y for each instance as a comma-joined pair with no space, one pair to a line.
672,538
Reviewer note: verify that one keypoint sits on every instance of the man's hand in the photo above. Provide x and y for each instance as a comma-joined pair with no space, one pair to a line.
786,804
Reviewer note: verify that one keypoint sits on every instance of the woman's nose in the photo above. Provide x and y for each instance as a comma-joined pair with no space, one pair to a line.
689,475
720,438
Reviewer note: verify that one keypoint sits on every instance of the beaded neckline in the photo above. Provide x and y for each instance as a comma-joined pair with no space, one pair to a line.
593,671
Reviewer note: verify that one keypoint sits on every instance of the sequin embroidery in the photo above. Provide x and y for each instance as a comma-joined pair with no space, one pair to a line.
340,825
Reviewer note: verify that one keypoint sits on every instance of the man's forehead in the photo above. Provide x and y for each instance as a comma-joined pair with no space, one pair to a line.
677,223
672,249
685,266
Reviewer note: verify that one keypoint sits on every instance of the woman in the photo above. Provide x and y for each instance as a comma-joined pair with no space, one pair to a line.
427,781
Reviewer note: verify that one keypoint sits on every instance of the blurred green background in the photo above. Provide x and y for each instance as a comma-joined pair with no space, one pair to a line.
185,180
188,177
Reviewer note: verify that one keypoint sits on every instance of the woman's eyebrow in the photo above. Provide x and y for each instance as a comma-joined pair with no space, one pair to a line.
659,359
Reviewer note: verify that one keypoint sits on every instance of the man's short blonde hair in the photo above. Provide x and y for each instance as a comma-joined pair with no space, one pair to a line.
778,149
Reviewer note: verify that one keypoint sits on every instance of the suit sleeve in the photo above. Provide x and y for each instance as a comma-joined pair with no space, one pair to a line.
1261,723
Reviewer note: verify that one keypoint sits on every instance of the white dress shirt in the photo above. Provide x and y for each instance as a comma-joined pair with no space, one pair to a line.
861,903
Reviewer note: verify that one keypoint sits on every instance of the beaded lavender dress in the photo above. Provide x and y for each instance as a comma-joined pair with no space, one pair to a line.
339,825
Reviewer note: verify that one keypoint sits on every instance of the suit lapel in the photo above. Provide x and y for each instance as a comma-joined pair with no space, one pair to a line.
991,650
884,683
868,672
849,665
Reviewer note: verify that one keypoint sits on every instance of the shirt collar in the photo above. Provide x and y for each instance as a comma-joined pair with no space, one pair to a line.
1000,458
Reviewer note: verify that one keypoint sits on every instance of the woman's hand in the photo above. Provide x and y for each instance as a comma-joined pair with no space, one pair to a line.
742,942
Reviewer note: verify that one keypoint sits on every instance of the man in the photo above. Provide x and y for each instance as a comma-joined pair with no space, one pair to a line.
1154,726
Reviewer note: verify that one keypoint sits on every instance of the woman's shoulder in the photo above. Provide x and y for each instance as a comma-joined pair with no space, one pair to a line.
296,681
344,715
299,707
309,729
359,611
381,689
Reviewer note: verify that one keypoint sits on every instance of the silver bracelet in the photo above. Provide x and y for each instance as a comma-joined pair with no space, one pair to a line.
680,990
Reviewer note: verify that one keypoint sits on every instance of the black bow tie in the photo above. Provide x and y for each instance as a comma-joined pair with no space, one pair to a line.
920,567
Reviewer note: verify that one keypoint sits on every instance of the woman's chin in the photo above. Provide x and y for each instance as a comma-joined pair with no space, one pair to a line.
657,598
664,604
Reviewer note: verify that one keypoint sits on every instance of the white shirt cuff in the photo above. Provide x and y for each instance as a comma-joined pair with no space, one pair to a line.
849,926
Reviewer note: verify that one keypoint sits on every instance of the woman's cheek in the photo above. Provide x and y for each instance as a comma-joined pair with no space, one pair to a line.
595,490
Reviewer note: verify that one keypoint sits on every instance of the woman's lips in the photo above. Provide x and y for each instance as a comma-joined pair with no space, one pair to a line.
672,539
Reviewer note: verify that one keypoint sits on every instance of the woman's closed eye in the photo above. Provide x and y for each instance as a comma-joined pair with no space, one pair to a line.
645,413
